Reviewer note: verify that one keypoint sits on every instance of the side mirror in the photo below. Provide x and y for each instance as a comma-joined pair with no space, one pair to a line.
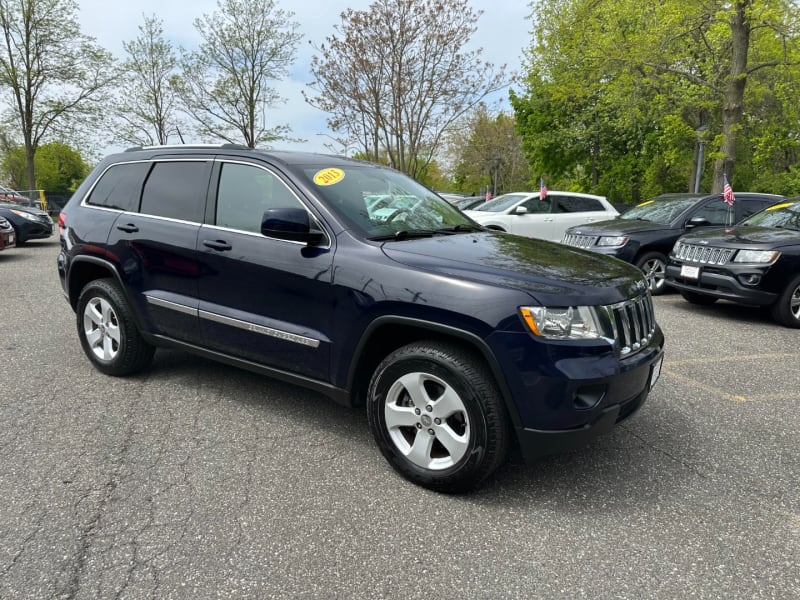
292,224
697,222
521,210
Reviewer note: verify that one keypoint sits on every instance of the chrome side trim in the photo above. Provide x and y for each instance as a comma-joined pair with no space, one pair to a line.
276,333
181,308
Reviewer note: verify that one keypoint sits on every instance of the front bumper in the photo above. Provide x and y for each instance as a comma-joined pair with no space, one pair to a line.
573,393
721,284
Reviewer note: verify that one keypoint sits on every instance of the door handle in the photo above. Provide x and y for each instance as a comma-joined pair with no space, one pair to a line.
129,228
220,245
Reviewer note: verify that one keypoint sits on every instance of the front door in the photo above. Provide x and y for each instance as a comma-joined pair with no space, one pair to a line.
265,300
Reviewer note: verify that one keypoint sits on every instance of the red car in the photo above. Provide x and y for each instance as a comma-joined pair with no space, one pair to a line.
7,237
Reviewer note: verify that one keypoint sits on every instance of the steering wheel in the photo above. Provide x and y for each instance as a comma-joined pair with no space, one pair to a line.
397,213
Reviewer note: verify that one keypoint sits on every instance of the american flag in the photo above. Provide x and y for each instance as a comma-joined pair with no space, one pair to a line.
542,189
727,191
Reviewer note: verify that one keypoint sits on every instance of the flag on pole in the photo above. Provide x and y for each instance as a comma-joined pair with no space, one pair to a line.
727,191
542,189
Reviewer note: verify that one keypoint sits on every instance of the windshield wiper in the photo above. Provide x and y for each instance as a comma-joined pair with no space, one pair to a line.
403,234
459,229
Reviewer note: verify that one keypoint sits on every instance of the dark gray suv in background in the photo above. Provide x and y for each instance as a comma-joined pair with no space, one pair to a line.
645,234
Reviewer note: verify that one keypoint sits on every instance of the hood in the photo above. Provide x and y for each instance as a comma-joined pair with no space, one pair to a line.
546,270
617,227
29,209
736,237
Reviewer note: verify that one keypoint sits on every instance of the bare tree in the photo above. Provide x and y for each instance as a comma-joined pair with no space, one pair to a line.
398,75
57,77
224,85
147,103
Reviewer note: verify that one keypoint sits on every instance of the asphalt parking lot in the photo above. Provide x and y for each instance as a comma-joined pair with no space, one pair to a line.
196,480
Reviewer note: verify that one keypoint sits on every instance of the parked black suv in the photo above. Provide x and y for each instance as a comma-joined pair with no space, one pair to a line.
354,280
755,263
645,234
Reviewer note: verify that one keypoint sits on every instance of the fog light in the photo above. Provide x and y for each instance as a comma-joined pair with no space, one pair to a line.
750,278
588,396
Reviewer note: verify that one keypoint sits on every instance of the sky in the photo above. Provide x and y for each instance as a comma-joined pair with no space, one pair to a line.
503,32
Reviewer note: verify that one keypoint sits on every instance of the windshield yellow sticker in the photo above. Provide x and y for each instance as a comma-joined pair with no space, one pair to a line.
328,176
777,206
646,203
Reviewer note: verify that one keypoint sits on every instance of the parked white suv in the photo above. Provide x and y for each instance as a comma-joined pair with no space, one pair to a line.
524,213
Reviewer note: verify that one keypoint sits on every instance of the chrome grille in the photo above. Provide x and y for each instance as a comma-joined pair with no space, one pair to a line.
579,241
634,324
706,255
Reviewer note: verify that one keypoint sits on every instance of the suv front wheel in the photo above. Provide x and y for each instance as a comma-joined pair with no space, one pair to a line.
437,416
786,310
107,331
654,267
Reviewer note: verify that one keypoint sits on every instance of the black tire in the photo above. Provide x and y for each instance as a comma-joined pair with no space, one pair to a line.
108,332
458,436
786,309
654,267
699,299
17,239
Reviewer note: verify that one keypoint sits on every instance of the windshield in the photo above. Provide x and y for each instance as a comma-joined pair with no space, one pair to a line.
660,211
501,203
785,215
383,203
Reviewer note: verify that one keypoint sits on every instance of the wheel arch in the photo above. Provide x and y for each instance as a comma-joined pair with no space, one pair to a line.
84,269
388,333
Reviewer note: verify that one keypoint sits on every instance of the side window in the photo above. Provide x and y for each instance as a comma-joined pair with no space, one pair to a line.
571,204
715,212
120,187
177,190
534,205
245,192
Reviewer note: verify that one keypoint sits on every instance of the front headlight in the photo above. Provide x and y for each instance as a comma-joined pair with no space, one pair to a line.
24,215
759,257
612,240
564,323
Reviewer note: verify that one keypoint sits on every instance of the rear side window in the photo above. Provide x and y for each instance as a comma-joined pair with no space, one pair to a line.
177,190
571,204
119,187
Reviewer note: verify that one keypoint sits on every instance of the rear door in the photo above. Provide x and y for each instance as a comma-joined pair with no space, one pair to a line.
261,299
156,245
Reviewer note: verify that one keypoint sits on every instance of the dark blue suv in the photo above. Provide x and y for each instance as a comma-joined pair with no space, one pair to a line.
354,280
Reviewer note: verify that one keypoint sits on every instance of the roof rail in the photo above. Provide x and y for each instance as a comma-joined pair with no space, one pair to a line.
226,145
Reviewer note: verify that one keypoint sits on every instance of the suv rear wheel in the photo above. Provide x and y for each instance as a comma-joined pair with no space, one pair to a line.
437,416
786,310
107,331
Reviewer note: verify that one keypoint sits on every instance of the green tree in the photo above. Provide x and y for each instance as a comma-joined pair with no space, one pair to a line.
617,91
57,79
59,168
397,76
224,85
147,102
487,148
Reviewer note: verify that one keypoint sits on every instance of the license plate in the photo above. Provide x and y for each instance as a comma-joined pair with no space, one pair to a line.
656,372
690,272
11,239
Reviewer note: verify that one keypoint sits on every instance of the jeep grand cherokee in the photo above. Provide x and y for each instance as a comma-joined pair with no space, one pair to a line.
354,280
